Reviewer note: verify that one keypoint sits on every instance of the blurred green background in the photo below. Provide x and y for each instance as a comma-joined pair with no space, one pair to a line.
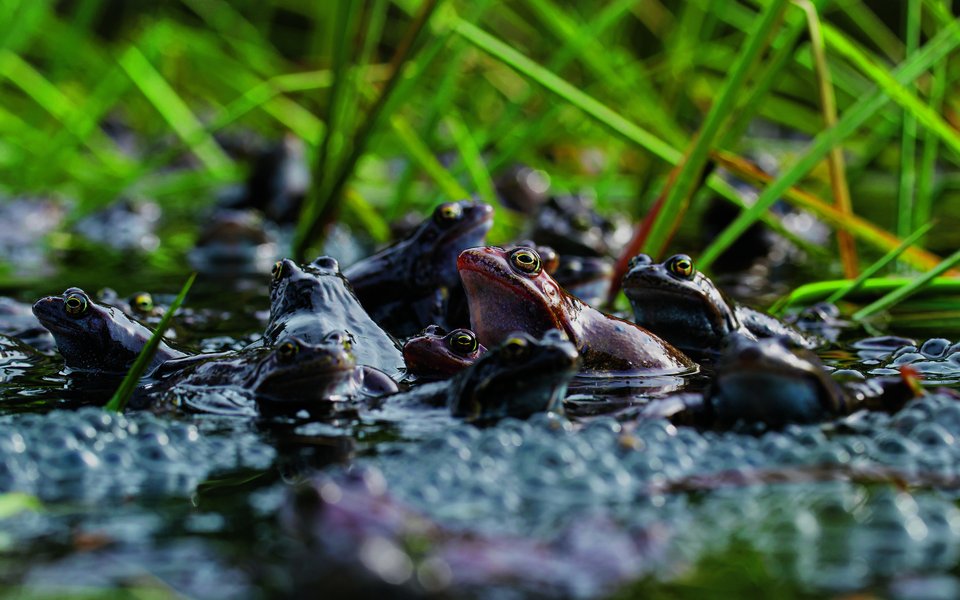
404,103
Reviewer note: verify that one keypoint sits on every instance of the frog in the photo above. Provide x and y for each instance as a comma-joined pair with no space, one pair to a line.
519,377
94,337
405,286
435,353
522,189
683,305
586,277
139,305
572,226
17,320
235,242
290,377
509,291
311,301
773,382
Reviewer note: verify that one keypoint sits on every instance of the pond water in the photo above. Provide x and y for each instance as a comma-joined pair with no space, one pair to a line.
408,500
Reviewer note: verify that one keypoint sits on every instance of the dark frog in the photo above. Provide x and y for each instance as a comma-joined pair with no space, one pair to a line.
517,378
288,378
520,377
435,353
405,286
312,301
510,291
678,302
769,381
96,337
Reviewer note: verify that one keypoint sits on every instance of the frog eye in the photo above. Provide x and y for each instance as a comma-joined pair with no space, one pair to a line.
463,341
447,213
75,305
342,338
277,271
526,260
681,265
143,302
515,348
580,222
640,259
287,350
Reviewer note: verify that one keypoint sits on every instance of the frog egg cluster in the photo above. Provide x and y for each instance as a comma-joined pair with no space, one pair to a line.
936,360
803,496
90,455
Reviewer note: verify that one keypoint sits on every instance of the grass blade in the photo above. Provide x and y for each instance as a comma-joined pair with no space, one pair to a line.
677,200
900,294
427,161
120,398
852,119
821,290
318,209
173,109
908,143
828,106
879,264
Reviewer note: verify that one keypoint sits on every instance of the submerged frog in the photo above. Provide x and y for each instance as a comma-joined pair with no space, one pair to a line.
310,302
434,353
683,305
769,381
96,337
509,291
518,378
572,226
288,378
405,287
139,305
586,277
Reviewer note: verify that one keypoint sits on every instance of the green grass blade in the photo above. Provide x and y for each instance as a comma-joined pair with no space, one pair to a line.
852,119
835,160
820,290
879,264
120,398
419,151
470,153
908,290
319,208
895,88
908,142
175,111
12,503
931,144
675,206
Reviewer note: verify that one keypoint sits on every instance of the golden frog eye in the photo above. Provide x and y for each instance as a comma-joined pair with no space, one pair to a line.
580,222
515,348
447,213
681,265
287,350
463,341
277,271
143,302
526,260
75,305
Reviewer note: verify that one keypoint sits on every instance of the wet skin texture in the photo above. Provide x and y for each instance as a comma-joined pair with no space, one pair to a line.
436,354
290,377
96,337
683,305
586,277
404,287
313,301
508,291
520,377
770,381
570,225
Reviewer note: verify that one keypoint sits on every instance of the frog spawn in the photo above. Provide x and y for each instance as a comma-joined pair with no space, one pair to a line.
802,496
937,360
